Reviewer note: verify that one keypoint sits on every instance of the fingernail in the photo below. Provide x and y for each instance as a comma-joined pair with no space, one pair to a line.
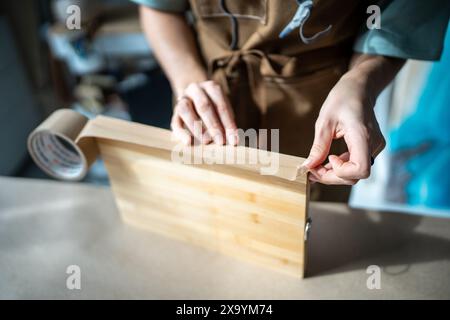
302,170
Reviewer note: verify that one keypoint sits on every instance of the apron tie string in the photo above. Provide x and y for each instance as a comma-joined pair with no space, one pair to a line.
234,25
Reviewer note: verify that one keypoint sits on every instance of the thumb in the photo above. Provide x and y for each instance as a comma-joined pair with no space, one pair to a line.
321,147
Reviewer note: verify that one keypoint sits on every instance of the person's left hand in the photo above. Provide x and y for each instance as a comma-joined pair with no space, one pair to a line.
346,113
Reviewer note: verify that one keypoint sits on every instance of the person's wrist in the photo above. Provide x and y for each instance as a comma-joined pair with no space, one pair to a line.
373,73
361,80
180,84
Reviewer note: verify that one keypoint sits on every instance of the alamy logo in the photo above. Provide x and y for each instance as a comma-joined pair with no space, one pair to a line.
73,281
374,280
374,20
73,21
256,154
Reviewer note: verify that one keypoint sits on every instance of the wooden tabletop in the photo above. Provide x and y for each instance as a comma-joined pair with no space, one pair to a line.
46,226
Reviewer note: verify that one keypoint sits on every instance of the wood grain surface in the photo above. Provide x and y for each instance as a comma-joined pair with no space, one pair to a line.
231,208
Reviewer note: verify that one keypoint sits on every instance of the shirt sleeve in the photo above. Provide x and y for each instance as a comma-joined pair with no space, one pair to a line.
410,29
165,5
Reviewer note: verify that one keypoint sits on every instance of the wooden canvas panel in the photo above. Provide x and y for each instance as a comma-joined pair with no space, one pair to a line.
229,208
237,216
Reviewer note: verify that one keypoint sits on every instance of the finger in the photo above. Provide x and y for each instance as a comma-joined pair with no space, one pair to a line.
312,179
206,110
186,112
224,110
328,176
331,179
312,176
358,164
324,174
321,145
344,157
179,131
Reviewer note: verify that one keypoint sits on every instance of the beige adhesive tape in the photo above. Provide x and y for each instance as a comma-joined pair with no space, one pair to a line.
65,145
53,148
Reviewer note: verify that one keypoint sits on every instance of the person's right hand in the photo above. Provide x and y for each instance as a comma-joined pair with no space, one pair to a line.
205,102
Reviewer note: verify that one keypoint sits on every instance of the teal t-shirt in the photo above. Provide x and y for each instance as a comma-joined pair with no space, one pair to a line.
410,29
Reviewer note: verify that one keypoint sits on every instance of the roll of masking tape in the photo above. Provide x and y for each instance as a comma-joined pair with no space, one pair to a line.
56,149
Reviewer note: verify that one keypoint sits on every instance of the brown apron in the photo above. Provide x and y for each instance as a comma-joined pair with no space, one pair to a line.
278,83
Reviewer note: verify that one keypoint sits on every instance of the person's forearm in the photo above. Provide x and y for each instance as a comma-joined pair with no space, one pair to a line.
374,72
198,99
174,46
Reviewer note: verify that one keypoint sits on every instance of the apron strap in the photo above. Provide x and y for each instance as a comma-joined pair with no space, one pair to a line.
234,25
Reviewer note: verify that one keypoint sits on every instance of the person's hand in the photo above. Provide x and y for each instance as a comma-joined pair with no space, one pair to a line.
205,102
346,113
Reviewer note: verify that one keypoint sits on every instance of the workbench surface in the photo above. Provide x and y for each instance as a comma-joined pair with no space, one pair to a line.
45,226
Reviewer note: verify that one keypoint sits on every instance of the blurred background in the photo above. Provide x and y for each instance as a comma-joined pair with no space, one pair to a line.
107,67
